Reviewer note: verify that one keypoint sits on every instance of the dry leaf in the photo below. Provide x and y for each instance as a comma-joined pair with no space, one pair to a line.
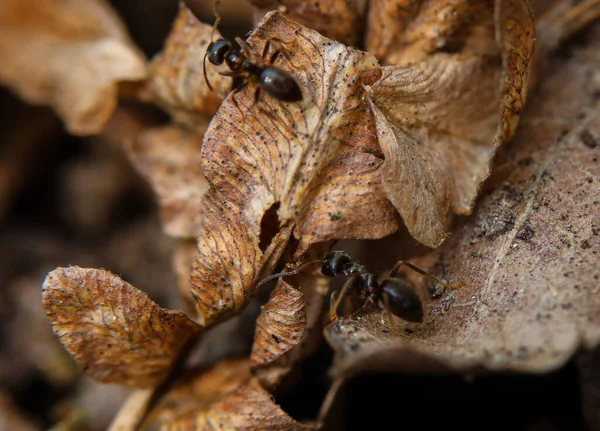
341,20
289,328
176,77
169,157
313,165
70,55
529,255
280,326
442,115
113,330
225,397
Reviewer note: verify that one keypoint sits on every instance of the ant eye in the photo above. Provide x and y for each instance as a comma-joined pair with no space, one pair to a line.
401,300
217,51
333,262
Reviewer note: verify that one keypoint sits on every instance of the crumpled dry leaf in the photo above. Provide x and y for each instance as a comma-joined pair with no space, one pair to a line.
529,255
280,326
70,55
169,157
225,397
113,330
442,114
313,164
341,20
176,76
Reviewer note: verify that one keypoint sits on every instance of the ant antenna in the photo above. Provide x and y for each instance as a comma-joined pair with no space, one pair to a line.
286,274
423,272
212,35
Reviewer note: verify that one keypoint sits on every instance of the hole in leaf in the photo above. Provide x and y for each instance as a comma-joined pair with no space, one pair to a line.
269,226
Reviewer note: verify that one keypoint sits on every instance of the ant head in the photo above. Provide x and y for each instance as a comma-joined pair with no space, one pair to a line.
333,262
401,300
210,46
217,50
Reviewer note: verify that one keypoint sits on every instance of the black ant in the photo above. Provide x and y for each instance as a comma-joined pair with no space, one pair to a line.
275,81
396,295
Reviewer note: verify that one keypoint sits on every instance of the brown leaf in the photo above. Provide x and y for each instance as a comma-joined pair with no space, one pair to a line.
70,55
313,165
225,397
441,116
176,77
341,20
169,157
112,329
529,255
280,326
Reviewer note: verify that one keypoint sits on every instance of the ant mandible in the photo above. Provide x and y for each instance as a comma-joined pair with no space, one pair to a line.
396,295
275,81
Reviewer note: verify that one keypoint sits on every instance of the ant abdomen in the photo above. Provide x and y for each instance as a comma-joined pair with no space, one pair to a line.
280,84
401,300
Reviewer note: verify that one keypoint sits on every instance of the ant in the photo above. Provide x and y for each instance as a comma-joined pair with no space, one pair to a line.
397,296
275,81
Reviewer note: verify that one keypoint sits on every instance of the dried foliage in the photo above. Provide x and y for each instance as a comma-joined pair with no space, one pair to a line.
340,20
280,326
70,55
176,78
113,330
170,158
225,397
528,256
437,130
399,135
294,159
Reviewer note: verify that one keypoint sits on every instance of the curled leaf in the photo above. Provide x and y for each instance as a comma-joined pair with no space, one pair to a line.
441,116
311,166
280,326
225,397
113,330
70,55
176,77
170,158
340,20
528,256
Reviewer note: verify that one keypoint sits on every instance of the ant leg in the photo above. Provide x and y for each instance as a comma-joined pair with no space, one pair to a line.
233,74
233,94
278,52
396,267
256,95
245,47
388,313
335,301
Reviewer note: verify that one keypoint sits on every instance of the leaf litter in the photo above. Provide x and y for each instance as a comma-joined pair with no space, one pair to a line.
69,55
528,255
114,331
